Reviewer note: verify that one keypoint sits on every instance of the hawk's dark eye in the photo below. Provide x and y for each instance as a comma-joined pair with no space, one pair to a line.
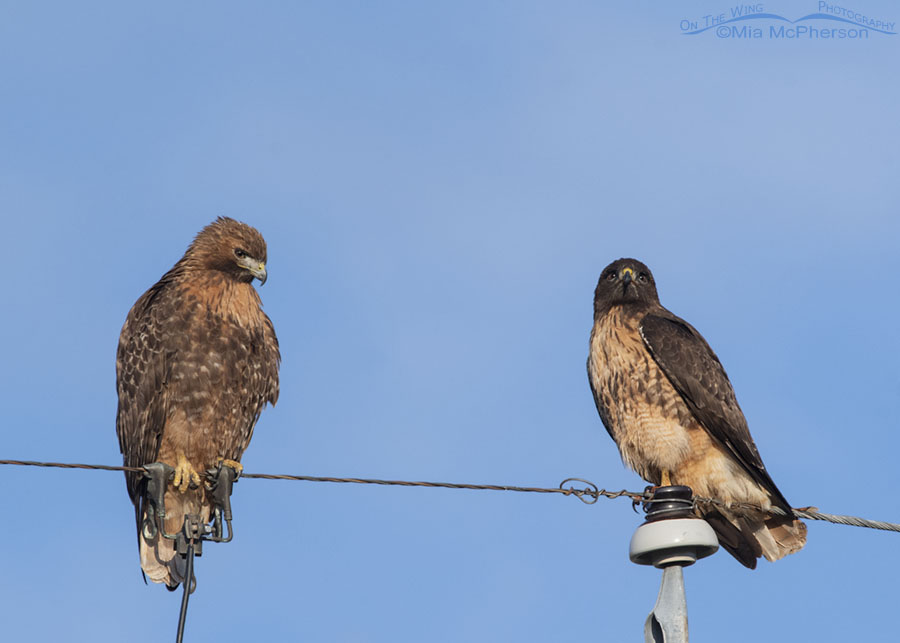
240,254
643,278
611,275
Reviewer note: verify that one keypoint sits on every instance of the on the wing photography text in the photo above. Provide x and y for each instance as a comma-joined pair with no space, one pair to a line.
755,22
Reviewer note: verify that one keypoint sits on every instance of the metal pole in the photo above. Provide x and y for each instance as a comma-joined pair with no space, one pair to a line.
667,622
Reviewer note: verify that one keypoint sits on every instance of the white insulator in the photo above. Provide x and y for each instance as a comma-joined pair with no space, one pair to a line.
679,541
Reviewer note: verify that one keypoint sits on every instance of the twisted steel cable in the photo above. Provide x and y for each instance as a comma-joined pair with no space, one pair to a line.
589,493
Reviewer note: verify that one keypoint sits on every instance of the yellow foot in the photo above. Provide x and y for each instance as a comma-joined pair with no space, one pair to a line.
666,481
234,464
185,476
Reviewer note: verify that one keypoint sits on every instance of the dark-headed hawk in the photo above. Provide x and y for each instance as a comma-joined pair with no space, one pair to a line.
668,404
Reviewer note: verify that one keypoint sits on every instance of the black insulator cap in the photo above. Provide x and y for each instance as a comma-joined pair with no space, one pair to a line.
675,501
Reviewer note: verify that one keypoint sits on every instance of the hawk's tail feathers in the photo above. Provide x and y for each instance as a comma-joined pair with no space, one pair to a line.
748,537
788,535
732,537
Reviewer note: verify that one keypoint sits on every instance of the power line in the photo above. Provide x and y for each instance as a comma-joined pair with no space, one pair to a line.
589,494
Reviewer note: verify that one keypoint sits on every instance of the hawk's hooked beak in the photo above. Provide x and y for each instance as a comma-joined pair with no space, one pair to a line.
254,267
259,271
627,276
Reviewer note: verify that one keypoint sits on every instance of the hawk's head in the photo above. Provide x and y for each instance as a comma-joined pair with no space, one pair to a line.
231,247
625,281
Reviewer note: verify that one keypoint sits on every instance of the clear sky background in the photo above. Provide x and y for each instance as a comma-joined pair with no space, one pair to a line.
440,185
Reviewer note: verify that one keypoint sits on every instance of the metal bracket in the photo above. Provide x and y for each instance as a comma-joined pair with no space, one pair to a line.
221,481
158,475
192,533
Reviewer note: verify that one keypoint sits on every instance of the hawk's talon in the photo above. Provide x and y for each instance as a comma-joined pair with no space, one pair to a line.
185,475
234,464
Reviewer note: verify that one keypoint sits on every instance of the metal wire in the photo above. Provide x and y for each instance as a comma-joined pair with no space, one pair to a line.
589,494
809,513
65,465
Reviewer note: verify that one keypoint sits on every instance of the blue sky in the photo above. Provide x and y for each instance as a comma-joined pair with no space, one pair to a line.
440,185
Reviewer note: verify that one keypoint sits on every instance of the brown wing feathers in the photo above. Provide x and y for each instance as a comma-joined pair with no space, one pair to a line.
698,376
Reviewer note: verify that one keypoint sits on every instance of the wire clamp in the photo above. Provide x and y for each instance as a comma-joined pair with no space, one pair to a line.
158,475
219,482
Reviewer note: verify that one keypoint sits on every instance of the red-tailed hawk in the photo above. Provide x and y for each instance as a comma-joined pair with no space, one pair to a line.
197,361
668,404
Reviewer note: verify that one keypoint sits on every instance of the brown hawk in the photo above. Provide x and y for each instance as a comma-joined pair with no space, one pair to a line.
197,361
667,403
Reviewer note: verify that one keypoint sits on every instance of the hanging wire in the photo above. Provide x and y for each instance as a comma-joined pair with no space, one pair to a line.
188,580
589,493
